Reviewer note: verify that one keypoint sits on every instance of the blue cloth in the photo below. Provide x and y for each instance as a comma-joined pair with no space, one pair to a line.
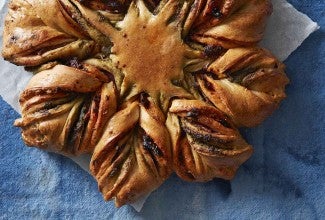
284,179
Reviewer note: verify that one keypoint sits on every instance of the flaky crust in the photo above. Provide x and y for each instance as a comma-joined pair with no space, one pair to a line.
147,87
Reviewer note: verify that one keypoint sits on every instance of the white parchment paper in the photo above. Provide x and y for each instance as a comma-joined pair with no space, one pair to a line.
287,29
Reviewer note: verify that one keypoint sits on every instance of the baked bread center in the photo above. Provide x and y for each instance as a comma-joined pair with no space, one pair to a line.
149,51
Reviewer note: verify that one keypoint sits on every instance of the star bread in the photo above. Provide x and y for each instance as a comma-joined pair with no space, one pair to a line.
147,87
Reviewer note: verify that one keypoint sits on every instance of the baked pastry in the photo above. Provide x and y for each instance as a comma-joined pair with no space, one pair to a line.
147,87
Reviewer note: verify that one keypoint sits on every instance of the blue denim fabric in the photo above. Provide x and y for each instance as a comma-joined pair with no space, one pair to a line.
284,179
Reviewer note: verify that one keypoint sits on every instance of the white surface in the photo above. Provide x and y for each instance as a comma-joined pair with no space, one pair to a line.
287,29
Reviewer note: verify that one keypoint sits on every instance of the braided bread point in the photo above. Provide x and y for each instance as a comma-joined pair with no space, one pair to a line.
245,83
65,109
133,157
206,144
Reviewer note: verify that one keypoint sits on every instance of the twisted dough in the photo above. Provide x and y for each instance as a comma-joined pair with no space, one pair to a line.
147,87
253,76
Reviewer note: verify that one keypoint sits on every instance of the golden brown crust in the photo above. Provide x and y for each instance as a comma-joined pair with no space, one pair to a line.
31,38
60,111
230,23
205,142
133,157
147,87
253,76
